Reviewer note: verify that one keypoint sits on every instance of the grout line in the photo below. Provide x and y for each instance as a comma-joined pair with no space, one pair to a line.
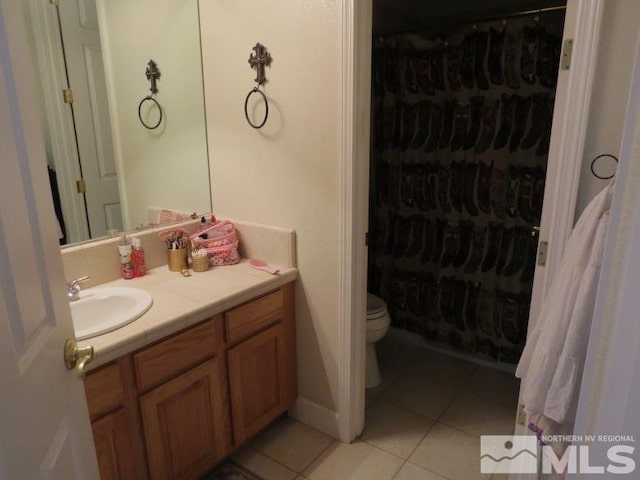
317,456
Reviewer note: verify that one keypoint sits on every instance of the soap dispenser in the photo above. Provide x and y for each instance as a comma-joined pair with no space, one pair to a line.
127,270
140,269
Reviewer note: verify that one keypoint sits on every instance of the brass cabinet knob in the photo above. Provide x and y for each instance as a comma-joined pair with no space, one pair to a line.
77,357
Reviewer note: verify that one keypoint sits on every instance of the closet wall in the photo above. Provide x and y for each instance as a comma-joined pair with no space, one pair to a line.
460,135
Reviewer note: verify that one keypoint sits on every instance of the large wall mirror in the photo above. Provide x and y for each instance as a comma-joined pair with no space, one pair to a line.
109,173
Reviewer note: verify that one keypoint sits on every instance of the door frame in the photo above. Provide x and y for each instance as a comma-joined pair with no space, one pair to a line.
567,143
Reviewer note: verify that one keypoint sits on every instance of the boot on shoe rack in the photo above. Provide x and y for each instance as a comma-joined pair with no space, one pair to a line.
471,305
459,294
436,128
484,187
494,62
512,59
402,236
475,119
423,74
417,236
467,62
505,249
513,187
468,188
506,120
486,306
449,109
460,126
424,118
450,245
520,242
488,126
465,229
456,185
454,57
438,246
498,192
482,44
477,249
444,179
494,240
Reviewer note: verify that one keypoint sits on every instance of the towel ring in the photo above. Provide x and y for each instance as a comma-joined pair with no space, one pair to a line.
593,162
145,99
266,105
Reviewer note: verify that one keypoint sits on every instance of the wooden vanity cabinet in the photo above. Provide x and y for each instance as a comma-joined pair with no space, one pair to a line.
185,415
262,367
195,397
115,424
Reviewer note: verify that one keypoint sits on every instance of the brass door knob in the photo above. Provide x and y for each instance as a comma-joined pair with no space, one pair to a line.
77,357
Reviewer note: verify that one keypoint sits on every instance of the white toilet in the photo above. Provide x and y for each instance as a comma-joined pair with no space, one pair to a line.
377,326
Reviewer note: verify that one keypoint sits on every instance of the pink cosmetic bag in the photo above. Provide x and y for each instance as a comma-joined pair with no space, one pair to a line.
221,243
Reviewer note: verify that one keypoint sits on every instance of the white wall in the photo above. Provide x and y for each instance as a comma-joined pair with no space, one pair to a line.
167,167
286,173
621,23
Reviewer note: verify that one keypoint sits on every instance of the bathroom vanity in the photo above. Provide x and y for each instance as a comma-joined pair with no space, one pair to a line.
209,365
178,405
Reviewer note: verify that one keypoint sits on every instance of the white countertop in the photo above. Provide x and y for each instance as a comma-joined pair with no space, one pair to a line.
179,302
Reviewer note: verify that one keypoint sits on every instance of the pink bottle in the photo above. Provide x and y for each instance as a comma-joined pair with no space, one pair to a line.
139,267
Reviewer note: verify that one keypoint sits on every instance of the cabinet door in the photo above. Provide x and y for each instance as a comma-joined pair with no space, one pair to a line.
259,382
186,423
113,447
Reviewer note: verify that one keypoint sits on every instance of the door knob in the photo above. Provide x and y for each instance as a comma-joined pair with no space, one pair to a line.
76,357
535,230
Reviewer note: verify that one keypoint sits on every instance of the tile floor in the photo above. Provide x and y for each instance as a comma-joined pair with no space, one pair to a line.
422,423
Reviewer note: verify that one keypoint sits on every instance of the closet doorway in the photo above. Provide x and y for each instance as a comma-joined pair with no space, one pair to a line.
461,127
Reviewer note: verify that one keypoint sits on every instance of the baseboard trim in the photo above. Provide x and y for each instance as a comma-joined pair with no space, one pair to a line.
316,416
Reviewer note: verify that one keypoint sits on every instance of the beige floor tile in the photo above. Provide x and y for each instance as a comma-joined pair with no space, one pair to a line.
440,368
394,429
354,461
389,376
397,354
291,443
480,416
416,392
262,465
409,471
450,453
501,386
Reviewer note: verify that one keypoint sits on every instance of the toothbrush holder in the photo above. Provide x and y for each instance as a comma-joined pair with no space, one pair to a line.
177,259
200,264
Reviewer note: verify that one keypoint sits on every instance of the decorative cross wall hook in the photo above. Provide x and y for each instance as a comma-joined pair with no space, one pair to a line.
153,74
258,61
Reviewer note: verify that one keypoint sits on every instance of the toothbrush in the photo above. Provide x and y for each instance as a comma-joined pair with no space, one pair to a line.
262,265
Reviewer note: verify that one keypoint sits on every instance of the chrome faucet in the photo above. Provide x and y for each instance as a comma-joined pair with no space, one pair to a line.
73,288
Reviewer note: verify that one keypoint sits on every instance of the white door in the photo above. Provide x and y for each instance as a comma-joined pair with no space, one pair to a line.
83,56
571,110
44,423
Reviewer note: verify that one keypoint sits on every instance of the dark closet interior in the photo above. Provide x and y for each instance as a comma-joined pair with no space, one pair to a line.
461,123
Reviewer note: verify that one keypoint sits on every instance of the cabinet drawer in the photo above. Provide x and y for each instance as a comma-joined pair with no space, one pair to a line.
164,360
248,319
104,389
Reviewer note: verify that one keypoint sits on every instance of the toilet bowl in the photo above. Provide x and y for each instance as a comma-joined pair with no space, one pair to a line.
377,326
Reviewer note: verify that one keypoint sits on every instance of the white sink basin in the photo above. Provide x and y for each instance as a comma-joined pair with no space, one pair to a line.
103,309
